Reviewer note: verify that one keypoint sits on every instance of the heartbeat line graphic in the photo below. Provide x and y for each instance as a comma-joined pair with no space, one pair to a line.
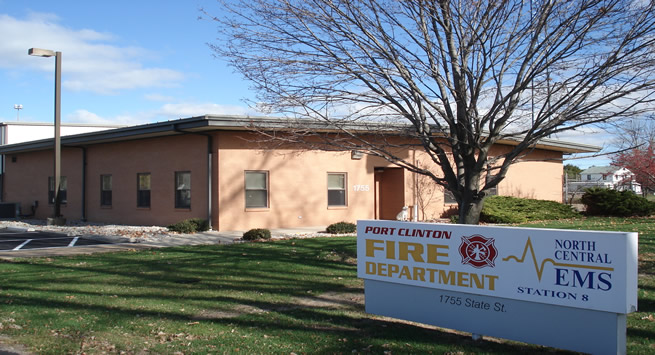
540,268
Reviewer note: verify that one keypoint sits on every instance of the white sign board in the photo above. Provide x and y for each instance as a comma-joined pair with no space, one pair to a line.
493,271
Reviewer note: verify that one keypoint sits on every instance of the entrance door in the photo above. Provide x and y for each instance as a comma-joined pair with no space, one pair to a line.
389,192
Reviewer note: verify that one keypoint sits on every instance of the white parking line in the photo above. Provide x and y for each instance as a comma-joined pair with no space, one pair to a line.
22,245
72,243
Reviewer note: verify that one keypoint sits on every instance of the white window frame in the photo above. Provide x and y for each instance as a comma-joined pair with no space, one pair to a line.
343,189
265,189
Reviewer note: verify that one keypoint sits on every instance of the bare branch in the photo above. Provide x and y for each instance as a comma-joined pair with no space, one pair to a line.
462,74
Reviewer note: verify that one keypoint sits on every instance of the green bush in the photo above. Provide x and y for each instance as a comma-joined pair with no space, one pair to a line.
341,227
192,225
506,209
202,225
257,233
606,202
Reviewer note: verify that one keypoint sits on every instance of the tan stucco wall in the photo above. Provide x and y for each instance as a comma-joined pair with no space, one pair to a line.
298,185
538,175
297,182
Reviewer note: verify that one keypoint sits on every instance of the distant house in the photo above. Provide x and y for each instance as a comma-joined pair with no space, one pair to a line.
610,177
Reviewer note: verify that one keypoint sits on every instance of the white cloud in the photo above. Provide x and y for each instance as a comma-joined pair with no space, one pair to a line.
158,97
90,62
179,110
163,113
590,135
84,116
88,117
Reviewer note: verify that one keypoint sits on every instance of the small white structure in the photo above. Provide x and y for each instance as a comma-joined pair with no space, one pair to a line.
18,132
610,177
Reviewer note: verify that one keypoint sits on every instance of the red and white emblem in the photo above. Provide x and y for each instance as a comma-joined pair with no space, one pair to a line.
478,251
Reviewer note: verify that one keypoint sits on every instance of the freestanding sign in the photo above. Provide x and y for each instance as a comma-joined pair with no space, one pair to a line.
561,288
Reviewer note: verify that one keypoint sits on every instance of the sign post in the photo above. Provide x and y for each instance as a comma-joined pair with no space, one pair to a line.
561,288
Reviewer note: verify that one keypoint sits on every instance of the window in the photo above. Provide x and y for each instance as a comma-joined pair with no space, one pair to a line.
256,189
588,177
182,189
143,190
336,189
63,187
448,197
494,190
105,190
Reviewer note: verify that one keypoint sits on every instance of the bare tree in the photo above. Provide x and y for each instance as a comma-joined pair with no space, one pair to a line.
461,74
637,132
426,191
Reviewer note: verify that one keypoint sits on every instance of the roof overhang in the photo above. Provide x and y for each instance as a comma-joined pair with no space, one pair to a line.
557,145
209,123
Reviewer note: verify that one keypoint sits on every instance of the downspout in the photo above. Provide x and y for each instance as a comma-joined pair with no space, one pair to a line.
210,154
210,166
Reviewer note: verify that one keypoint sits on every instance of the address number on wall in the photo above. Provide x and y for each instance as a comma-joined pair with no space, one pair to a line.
361,188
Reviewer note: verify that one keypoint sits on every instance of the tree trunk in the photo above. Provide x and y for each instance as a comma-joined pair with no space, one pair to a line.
469,210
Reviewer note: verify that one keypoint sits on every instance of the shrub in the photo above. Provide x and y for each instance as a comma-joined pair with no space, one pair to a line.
202,225
506,209
341,227
606,202
192,225
183,227
257,233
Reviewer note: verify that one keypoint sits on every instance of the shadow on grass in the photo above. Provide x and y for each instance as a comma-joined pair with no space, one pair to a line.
136,292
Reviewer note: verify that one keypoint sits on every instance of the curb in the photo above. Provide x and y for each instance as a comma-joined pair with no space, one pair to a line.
19,230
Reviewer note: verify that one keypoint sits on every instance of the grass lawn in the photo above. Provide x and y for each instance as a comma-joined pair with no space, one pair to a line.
292,296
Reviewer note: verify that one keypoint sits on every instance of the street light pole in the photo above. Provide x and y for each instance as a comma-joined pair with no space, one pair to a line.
18,108
57,148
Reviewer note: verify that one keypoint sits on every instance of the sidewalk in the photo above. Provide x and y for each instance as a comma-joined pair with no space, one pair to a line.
228,237
204,238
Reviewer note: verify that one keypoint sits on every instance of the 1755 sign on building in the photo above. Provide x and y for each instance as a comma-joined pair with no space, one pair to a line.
495,271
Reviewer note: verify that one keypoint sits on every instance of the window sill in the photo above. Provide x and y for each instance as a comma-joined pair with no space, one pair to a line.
257,209
337,207
106,207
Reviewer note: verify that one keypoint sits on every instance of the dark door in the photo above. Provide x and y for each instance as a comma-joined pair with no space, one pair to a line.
389,192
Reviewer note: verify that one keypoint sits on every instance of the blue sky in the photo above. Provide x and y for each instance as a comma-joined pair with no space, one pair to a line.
124,62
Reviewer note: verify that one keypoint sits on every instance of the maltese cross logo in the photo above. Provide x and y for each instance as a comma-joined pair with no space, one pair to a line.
478,251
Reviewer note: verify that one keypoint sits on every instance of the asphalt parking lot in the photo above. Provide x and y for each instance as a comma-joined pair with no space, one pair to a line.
14,241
